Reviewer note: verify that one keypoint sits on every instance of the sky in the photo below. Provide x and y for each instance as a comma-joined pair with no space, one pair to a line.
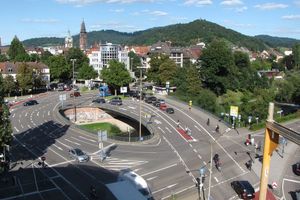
54,18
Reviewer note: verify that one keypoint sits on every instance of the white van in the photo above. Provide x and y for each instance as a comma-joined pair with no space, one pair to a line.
137,181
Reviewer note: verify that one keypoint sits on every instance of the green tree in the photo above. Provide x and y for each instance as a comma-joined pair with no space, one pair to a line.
5,125
296,55
81,58
45,57
59,68
241,60
193,82
87,72
3,58
35,58
207,100
167,71
9,84
153,72
25,77
217,67
16,51
116,75
135,62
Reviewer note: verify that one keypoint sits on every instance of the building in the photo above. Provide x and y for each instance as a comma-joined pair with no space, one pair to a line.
68,41
11,68
100,56
83,37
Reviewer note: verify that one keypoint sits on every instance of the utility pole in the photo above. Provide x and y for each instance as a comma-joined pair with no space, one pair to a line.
141,93
73,83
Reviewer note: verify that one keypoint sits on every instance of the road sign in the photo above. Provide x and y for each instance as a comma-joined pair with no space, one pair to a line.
274,185
62,97
190,103
123,89
102,136
234,111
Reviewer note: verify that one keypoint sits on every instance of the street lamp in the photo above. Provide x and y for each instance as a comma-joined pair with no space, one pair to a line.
73,83
140,103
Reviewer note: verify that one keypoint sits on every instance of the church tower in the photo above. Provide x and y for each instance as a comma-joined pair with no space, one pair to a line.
83,37
69,40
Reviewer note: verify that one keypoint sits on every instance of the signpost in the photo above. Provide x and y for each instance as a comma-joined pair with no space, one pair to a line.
102,136
62,98
123,90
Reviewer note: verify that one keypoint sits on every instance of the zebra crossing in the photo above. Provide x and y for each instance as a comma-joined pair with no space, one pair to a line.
117,163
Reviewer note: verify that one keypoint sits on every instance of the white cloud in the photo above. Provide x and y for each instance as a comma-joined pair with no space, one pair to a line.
197,2
231,2
113,25
291,17
80,3
41,21
117,10
241,9
158,13
270,6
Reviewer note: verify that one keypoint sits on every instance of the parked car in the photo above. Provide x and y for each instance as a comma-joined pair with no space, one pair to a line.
99,100
76,94
156,103
150,99
296,168
163,106
244,189
116,102
30,103
79,155
170,110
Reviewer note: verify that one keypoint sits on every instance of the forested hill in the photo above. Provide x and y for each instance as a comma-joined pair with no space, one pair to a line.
277,41
178,34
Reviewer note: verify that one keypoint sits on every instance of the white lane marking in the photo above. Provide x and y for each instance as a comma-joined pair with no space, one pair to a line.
178,192
157,121
58,147
199,157
21,126
84,141
151,178
63,144
16,129
87,139
136,170
216,179
13,115
134,113
167,167
62,163
204,162
38,113
291,180
29,126
48,113
191,145
167,187
19,121
161,130
131,107
72,142
197,128
168,130
26,114
195,150
56,106
122,108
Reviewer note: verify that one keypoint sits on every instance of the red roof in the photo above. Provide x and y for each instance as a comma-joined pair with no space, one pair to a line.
270,196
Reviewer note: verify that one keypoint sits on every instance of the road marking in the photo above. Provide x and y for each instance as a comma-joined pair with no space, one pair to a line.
167,187
195,150
161,130
199,157
167,167
29,126
19,121
168,130
58,147
151,178
84,142
63,144
22,126
26,114
72,142
48,113
122,108
38,113
131,107
62,163
157,121
216,179
178,192
197,128
191,145
291,180
16,129
13,115
136,170
87,139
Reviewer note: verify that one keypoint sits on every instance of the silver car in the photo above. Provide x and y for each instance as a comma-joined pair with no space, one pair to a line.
79,155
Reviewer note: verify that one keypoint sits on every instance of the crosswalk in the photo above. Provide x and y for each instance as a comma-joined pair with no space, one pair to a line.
117,163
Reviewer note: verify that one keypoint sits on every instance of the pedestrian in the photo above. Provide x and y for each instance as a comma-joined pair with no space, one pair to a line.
217,128
249,165
207,122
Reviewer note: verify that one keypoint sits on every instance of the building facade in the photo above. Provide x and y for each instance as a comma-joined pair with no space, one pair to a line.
99,57
68,41
83,37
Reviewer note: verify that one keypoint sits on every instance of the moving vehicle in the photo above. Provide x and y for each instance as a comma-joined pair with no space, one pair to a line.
99,100
116,102
79,155
163,106
137,181
296,168
30,103
150,99
244,189
76,94
170,110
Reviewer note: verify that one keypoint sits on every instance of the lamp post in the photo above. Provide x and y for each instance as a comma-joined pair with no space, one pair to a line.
140,103
73,63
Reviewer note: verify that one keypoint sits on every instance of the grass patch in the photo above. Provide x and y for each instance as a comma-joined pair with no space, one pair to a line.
111,129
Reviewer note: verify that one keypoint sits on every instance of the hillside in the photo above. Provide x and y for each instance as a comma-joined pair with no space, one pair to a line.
178,34
277,41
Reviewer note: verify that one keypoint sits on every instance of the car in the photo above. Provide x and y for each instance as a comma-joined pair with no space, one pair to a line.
296,168
30,103
161,100
170,110
79,155
75,94
99,100
156,103
163,106
116,102
150,99
244,189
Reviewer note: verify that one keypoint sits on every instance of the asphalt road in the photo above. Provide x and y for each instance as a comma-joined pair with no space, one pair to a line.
162,161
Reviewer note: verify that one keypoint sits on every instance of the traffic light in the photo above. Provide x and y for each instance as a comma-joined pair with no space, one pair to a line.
203,179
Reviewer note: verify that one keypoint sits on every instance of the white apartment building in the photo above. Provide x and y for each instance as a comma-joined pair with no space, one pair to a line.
100,57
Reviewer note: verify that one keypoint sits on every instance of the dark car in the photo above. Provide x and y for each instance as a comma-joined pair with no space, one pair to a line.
244,189
156,103
76,94
296,168
150,99
116,102
30,103
100,100
170,110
